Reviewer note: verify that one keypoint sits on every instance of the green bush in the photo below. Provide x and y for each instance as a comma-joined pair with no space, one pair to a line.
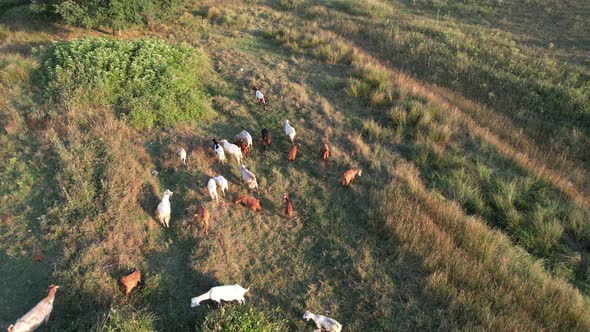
147,81
116,14
244,319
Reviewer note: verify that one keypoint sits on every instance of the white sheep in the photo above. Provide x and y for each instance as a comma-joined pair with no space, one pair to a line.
212,188
248,177
232,149
218,151
164,210
245,137
290,131
322,322
222,183
219,293
182,154
39,314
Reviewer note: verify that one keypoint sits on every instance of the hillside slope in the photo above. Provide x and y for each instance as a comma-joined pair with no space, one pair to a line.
465,216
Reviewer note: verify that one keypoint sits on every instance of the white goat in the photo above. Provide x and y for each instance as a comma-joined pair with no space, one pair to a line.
222,183
219,293
245,137
163,212
212,187
248,177
218,151
182,154
39,314
322,322
290,131
232,149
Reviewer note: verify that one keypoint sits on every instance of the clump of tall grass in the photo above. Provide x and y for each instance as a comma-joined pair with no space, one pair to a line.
147,81
356,87
541,233
319,44
459,186
369,8
213,12
373,130
371,82
334,52
287,4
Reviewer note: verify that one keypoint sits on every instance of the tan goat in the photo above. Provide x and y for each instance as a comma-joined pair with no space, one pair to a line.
249,201
203,216
349,176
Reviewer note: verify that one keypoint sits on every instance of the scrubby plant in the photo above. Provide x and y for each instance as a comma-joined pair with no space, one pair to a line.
116,14
147,81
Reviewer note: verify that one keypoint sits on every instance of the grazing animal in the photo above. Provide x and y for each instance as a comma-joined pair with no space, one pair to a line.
222,293
288,206
323,323
246,137
248,177
259,97
293,152
349,176
131,280
182,154
218,150
203,216
222,183
232,149
325,152
164,210
243,146
290,131
265,138
249,201
212,188
39,314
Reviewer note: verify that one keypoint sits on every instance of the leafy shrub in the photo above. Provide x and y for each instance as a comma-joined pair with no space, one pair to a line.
116,14
146,81
244,318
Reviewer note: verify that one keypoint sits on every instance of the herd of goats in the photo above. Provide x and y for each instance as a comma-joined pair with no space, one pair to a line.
241,147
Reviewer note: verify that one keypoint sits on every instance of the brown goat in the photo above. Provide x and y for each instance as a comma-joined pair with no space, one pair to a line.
131,280
293,152
265,138
288,206
249,201
325,151
203,216
243,146
349,176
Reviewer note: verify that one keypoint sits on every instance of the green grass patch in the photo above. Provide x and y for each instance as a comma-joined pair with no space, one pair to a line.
244,318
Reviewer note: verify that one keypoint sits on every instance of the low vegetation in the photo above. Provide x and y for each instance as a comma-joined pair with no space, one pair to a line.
244,318
463,217
116,15
147,81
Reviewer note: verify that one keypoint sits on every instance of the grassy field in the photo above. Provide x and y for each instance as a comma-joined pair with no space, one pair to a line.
470,122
